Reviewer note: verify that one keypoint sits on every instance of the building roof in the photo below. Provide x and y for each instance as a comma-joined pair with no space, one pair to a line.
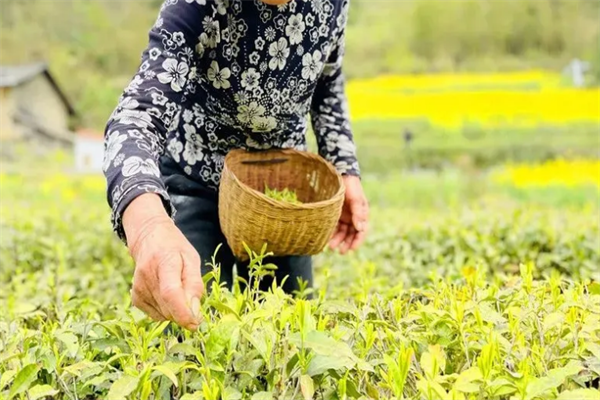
15,75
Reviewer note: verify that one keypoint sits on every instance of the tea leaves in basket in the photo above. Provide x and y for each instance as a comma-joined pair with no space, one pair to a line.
285,195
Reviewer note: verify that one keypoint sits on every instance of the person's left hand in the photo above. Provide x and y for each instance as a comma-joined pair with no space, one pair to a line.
352,227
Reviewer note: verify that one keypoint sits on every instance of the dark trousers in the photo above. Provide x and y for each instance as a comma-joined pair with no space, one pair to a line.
197,217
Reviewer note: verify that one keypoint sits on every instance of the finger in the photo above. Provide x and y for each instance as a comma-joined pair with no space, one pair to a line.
359,238
159,304
359,211
345,246
138,302
339,236
153,312
144,282
171,291
193,285
142,294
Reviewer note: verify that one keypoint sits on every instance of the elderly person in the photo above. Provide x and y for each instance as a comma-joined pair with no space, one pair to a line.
220,75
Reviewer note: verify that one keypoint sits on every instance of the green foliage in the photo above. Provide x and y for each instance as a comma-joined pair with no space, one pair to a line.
382,148
594,73
492,302
94,47
430,35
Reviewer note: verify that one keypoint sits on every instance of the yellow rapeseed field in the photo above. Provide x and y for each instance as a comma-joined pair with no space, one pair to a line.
459,81
551,173
490,100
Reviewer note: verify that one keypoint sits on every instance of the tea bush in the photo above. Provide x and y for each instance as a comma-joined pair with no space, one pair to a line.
485,303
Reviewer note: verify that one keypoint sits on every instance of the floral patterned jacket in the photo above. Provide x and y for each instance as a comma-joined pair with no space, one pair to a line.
224,74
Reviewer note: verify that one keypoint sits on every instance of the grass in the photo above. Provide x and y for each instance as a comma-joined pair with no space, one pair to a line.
382,147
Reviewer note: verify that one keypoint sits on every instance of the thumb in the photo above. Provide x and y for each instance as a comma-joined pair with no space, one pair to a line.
191,279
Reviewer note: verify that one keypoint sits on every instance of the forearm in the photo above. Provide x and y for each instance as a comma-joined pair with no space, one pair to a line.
331,124
135,134
329,108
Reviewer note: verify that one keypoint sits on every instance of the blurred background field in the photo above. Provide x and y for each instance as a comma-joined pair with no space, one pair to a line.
480,151
94,47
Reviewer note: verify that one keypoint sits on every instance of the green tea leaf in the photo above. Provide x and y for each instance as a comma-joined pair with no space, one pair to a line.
146,390
351,389
158,330
464,382
488,314
320,364
9,352
291,365
24,308
222,336
123,387
363,365
426,386
41,391
594,288
454,394
285,195
97,381
70,341
185,349
193,396
433,361
580,394
6,377
594,349
77,368
321,343
168,372
502,387
23,380
259,344
262,396
224,308
338,307
231,393
553,320
554,379
110,343
307,387
372,391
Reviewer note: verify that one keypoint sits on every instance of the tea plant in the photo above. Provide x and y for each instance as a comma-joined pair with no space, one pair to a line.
451,340
476,304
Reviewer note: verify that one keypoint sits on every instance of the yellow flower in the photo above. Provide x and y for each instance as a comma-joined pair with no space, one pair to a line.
492,100
570,173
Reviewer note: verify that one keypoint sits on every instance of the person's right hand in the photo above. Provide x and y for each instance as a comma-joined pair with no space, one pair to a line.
167,283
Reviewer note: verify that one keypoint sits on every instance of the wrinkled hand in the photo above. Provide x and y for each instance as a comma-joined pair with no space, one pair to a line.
167,283
352,227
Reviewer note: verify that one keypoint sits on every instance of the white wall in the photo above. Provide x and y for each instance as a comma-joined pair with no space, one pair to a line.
89,154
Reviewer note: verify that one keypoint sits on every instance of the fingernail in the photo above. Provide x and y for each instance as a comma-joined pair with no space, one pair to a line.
196,307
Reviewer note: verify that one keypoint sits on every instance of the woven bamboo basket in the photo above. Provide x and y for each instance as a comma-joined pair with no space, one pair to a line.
248,216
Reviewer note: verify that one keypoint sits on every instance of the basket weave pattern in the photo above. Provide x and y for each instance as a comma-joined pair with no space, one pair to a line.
248,216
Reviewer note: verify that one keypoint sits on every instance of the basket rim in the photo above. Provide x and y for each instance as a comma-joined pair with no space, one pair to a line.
337,197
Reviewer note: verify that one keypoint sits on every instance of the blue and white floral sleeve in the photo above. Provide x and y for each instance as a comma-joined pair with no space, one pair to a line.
150,105
329,109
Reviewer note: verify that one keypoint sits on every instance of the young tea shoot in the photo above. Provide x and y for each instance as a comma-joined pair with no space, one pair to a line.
285,195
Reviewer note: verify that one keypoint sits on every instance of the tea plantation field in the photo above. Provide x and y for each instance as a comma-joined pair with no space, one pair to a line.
462,291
